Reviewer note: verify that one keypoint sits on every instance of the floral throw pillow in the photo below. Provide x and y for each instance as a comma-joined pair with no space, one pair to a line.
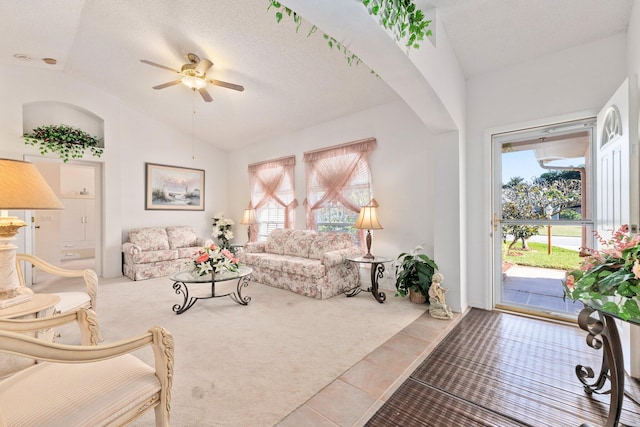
149,239
182,237
276,240
326,242
299,243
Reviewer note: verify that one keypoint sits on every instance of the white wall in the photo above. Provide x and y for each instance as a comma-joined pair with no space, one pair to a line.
403,166
539,91
131,139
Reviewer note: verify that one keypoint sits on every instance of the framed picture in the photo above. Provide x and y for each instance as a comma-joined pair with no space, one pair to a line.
172,188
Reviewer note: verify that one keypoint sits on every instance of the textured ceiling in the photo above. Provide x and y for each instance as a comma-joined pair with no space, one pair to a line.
491,34
291,81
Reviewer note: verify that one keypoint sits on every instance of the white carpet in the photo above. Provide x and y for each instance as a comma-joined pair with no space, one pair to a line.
249,365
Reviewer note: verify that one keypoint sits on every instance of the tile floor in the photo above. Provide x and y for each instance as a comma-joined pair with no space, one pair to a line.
357,394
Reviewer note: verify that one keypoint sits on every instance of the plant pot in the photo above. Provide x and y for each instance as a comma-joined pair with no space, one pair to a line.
417,297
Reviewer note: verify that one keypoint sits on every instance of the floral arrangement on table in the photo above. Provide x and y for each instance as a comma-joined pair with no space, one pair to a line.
214,259
609,277
222,230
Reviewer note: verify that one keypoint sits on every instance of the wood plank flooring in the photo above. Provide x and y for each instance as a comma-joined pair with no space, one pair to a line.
498,369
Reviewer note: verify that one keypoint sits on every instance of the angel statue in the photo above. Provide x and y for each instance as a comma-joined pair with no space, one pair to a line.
438,308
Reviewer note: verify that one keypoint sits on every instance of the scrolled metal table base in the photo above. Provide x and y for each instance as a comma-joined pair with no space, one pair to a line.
603,334
182,288
377,272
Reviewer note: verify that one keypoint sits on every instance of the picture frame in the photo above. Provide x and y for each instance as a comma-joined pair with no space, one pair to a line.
173,188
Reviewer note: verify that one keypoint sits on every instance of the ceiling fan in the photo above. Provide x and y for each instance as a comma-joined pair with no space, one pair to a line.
194,76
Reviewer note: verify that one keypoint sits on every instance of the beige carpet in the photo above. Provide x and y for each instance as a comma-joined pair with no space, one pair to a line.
248,365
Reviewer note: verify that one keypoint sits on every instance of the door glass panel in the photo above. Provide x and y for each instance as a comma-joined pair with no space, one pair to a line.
533,271
543,205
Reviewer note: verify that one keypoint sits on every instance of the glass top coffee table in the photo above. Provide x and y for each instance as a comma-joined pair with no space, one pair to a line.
184,279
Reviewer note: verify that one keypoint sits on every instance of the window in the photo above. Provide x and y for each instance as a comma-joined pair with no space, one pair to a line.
272,195
338,184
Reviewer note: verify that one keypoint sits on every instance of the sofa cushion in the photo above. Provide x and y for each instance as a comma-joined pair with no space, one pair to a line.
326,242
276,240
302,266
150,238
299,243
189,252
257,259
182,237
306,267
153,256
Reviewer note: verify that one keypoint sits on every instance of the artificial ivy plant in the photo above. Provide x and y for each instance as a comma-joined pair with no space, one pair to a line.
401,17
67,141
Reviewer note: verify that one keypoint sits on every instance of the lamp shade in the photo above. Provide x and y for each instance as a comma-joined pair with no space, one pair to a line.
24,188
368,218
248,217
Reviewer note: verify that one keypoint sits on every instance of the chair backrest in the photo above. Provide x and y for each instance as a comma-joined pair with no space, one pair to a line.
88,275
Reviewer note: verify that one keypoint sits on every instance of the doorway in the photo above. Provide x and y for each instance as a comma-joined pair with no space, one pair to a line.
543,197
68,238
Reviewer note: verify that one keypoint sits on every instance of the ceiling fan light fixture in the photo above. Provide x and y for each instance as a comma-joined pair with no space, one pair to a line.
193,82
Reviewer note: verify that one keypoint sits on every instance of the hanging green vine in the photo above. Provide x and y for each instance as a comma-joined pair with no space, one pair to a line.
282,11
67,141
401,17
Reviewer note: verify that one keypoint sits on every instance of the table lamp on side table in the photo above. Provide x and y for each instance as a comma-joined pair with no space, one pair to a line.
368,220
21,187
249,218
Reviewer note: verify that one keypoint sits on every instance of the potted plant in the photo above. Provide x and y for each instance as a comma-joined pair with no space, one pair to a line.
610,277
67,141
414,272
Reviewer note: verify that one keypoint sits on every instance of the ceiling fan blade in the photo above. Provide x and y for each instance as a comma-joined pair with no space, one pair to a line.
203,66
162,86
225,84
144,61
205,95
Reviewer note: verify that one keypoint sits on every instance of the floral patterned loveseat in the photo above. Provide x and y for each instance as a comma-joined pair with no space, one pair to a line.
305,262
158,251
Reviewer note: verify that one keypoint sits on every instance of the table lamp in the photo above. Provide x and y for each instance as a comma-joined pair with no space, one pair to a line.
249,218
21,187
368,220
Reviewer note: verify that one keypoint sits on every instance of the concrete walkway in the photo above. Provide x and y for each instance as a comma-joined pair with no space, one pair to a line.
539,289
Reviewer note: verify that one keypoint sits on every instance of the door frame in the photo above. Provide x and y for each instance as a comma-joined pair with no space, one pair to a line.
99,211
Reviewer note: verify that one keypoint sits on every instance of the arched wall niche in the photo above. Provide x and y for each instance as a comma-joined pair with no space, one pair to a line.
42,113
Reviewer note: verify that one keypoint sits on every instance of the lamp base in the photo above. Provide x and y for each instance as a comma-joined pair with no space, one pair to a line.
368,255
10,292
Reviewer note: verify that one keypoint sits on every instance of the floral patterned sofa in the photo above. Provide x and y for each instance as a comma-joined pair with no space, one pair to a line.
158,251
305,262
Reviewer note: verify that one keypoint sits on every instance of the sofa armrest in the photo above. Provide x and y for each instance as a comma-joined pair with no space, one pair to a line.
131,248
340,256
254,247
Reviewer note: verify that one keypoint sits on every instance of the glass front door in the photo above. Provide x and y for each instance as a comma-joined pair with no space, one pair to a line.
542,214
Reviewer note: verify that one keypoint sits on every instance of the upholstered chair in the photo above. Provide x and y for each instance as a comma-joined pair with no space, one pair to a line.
69,300
84,385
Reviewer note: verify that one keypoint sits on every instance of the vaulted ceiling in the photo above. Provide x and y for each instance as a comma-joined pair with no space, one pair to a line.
291,80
